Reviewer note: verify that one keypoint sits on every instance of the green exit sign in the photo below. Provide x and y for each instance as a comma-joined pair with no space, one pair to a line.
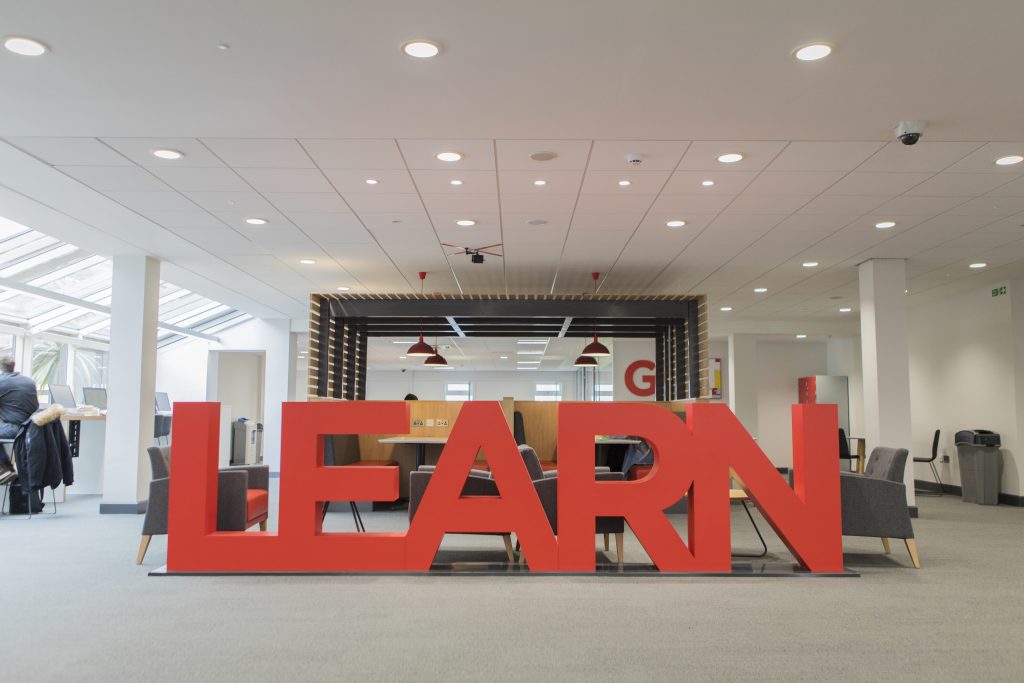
998,291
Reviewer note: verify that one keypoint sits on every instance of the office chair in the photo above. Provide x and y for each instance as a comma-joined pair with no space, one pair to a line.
844,449
931,463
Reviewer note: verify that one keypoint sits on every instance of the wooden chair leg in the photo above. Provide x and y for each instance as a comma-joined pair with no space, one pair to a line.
508,548
143,547
619,550
885,544
912,549
606,542
263,525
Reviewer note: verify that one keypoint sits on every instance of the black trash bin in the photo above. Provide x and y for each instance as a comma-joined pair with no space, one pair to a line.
981,465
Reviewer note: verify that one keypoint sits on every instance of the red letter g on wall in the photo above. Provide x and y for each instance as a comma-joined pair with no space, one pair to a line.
645,387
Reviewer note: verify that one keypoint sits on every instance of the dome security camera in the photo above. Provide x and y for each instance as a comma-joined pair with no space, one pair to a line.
634,159
909,132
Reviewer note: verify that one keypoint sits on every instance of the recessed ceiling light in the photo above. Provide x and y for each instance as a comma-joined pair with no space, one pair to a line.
1009,160
343,289
402,357
883,225
976,266
307,261
760,290
167,154
371,181
810,264
536,221
845,310
503,357
448,156
730,158
812,52
725,309
465,223
223,46
454,182
624,183
529,353
707,183
540,183
675,224
801,336
421,49
544,156
256,221
26,47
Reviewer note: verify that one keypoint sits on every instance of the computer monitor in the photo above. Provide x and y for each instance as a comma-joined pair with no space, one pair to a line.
62,394
95,396
163,402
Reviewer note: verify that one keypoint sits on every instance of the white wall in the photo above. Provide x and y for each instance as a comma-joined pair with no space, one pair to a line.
720,349
237,382
962,376
427,384
779,365
844,360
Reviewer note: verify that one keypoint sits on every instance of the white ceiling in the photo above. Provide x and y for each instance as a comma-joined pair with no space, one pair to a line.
482,353
314,98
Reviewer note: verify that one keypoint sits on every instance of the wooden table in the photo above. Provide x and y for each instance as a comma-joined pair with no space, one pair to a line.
860,446
421,443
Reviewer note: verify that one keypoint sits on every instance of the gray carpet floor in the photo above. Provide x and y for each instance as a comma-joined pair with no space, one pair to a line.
76,607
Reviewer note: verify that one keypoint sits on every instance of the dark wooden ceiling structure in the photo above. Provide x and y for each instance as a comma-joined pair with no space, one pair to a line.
340,325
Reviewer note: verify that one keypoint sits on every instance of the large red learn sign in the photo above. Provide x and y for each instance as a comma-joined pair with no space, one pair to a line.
694,458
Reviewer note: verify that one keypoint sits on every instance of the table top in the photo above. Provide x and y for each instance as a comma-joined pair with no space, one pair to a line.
77,417
426,440
613,440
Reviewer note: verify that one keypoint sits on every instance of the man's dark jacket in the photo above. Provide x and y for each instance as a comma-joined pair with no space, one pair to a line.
43,457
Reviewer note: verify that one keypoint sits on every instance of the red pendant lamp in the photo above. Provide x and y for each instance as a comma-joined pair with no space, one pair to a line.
595,348
421,348
436,360
585,362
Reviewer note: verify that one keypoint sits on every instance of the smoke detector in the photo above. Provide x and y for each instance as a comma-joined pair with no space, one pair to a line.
634,159
543,156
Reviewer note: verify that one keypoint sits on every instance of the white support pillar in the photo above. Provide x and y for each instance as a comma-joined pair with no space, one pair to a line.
280,372
743,380
885,358
132,384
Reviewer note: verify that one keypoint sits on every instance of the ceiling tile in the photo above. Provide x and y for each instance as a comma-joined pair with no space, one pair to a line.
1012,189
690,203
230,201
703,156
105,178
388,181
466,204
222,241
924,157
655,155
557,182
384,203
824,156
152,201
323,220
793,182
484,221
959,184
514,155
879,184
286,179
314,202
689,182
538,203
983,159
70,151
607,182
201,179
354,154
439,182
555,222
917,206
990,206
767,203
614,203
195,218
607,221
140,151
259,153
843,204
385,219
477,155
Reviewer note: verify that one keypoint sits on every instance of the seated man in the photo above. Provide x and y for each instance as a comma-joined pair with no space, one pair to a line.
18,400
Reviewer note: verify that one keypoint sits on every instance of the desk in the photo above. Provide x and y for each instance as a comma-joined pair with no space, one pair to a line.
421,443
87,443
860,446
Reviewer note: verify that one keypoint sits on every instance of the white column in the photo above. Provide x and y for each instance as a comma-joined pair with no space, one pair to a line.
885,358
132,384
743,380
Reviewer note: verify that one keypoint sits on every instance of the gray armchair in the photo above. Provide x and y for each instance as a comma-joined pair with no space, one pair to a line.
480,483
875,503
242,498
